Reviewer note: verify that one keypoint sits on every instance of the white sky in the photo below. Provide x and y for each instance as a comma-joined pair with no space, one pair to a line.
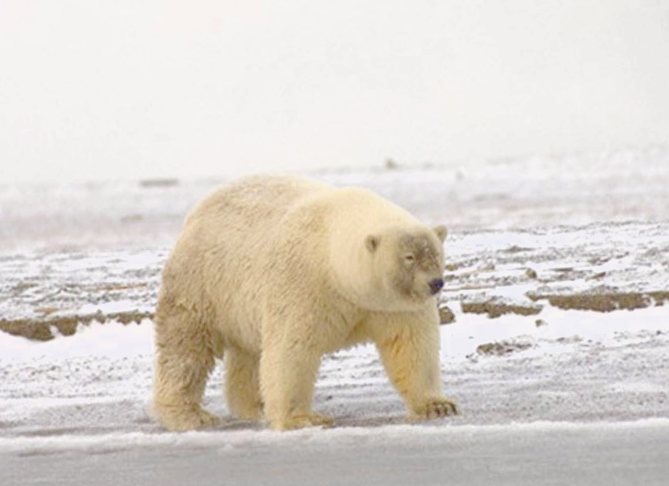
131,88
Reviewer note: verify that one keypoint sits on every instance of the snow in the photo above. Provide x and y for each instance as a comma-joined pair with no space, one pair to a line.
239,440
459,340
524,192
107,369
581,395
112,340
519,454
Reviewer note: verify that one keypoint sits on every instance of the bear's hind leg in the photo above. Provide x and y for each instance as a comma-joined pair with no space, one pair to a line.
183,363
242,384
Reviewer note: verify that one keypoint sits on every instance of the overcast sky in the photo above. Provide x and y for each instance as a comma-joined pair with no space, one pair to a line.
130,88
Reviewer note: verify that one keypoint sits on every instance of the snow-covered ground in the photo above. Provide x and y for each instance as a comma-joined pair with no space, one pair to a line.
583,366
580,400
553,391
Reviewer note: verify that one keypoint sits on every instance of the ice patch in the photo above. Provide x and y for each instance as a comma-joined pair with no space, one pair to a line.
111,340
470,330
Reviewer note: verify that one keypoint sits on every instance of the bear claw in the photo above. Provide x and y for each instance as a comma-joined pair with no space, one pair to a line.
181,421
302,421
437,408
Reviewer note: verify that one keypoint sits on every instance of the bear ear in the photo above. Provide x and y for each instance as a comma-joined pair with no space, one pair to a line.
441,232
372,242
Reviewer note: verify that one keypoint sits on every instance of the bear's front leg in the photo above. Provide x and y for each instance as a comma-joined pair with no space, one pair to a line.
409,347
288,373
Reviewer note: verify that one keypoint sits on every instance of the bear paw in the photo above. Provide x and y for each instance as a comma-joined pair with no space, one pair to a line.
302,421
436,408
191,418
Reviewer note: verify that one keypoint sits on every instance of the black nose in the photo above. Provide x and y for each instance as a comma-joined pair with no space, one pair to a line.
436,285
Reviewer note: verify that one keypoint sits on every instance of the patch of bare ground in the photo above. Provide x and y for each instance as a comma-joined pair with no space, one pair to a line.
159,182
42,329
495,308
603,301
446,315
502,348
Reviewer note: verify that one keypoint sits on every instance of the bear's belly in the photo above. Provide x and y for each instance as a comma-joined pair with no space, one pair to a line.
239,326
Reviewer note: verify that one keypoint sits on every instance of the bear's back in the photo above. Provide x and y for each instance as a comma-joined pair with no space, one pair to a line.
235,223
256,199
221,259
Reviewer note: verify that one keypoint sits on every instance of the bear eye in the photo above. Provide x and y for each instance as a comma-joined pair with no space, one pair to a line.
409,258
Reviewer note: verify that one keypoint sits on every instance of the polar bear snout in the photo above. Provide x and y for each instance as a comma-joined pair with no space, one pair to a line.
436,285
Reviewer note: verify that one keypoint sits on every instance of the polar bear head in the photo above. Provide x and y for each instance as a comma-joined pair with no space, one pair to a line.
407,265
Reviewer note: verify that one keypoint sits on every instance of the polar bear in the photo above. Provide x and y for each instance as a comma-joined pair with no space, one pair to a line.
273,272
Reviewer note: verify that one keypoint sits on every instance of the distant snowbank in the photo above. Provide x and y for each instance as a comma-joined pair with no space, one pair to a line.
533,191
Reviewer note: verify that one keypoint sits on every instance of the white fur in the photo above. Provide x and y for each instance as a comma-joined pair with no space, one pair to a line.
274,272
